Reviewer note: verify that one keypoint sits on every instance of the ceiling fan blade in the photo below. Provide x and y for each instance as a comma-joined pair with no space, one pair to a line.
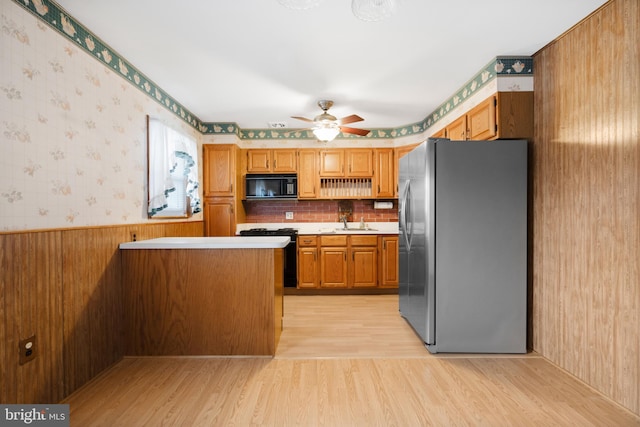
350,119
304,119
355,131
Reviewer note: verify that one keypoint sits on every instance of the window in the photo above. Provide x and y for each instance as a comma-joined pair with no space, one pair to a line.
173,172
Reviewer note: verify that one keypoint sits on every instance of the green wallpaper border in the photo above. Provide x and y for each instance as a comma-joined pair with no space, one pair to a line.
57,18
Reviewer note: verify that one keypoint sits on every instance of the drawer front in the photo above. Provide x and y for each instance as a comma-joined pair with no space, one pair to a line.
333,240
307,240
368,240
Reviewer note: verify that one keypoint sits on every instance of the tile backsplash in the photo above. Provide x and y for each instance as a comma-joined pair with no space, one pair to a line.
316,211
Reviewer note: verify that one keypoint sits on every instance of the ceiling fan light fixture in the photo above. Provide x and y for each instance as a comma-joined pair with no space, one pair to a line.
373,10
326,132
300,4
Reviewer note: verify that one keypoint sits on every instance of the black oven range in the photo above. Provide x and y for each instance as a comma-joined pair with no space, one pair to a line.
290,251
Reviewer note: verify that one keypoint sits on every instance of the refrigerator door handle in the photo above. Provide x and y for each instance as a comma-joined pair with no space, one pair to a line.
405,214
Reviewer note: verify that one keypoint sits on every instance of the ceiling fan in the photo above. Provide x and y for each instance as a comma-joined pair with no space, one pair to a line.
326,127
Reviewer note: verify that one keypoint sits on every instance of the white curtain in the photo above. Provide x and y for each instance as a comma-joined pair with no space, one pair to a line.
166,148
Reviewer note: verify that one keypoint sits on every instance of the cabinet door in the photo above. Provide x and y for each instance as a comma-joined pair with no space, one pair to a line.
332,163
333,267
363,266
481,120
457,130
308,179
385,173
219,218
219,169
307,268
359,163
258,161
389,261
284,161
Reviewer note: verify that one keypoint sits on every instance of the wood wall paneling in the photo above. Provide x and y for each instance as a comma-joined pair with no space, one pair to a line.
31,304
586,195
93,326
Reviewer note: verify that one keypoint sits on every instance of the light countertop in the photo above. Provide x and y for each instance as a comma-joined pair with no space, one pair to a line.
244,242
306,228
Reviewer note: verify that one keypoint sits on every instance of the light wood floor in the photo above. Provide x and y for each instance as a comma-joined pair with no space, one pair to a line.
343,361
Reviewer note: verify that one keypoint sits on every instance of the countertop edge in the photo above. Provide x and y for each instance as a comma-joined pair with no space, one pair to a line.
249,242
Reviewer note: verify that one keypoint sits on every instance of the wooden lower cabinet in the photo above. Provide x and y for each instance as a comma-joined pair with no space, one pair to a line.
333,267
333,261
308,262
219,217
347,261
363,266
389,262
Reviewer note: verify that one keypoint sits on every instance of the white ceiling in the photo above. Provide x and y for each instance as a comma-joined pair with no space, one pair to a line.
255,61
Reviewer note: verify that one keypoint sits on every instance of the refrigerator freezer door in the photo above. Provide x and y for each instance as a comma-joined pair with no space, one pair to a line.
417,286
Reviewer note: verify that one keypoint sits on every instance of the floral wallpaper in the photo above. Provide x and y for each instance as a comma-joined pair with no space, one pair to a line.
72,132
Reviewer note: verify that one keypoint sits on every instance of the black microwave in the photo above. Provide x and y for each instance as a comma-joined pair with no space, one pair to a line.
271,187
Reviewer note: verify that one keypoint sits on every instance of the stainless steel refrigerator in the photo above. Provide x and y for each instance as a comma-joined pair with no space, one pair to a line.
463,245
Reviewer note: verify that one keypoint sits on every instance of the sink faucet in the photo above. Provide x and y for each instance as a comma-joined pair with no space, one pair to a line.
344,221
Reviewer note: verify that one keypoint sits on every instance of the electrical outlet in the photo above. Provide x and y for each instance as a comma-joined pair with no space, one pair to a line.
27,350
288,215
134,236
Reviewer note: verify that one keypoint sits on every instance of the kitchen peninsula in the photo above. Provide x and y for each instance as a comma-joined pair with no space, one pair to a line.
203,295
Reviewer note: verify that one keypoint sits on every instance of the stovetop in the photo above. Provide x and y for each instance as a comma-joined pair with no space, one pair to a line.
269,232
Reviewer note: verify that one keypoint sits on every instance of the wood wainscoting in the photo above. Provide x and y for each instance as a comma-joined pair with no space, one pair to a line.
64,287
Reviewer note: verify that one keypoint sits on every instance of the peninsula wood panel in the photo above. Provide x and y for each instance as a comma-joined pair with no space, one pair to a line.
31,304
202,301
586,197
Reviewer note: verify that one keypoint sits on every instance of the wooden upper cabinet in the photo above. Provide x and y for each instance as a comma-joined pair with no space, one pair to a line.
219,169
385,175
359,163
457,130
258,161
332,163
351,163
505,115
308,180
268,161
285,161
481,120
